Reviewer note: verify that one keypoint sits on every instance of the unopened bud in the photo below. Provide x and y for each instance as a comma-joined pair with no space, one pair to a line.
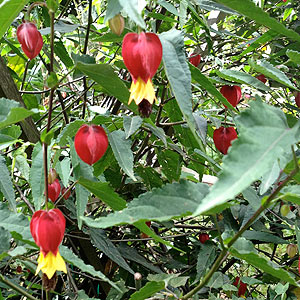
137,276
291,250
284,210
116,24
52,176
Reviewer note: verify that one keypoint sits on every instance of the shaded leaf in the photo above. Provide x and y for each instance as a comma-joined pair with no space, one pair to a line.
131,124
148,290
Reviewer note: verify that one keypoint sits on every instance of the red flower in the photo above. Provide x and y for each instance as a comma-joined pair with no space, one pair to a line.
68,193
223,137
30,39
297,99
142,54
195,59
203,237
90,143
262,78
47,229
242,287
232,93
54,190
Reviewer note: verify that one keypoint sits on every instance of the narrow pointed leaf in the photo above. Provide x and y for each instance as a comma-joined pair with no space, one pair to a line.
122,151
294,56
148,290
131,124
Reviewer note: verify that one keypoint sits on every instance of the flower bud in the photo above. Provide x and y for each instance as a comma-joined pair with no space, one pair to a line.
297,99
52,176
68,193
284,210
242,287
116,24
30,39
54,190
137,276
90,143
203,237
291,250
262,78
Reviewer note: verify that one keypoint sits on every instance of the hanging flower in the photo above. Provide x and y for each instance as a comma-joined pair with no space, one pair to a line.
54,190
47,229
30,39
195,59
142,54
232,93
223,138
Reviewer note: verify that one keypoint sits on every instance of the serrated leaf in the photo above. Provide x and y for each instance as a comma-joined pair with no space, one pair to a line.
242,77
73,259
245,250
148,290
9,10
63,168
113,8
14,222
264,137
10,112
6,186
159,132
211,5
68,132
206,257
103,243
291,193
264,67
104,192
104,75
254,12
4,240
23,166
36,176
172,200
294,56
121,148
179,76
131,7
131,124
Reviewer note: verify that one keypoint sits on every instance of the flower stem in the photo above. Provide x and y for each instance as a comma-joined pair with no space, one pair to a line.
16,288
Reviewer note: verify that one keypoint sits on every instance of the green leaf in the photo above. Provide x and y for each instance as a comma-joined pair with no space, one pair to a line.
264,137
131,8
179,75
113,8
63,168
170,162
4,240
242,77
36,176
23,166
263,237
291,193
169,7
294,56
254,12
159,132
264,67
173,280
131,124
105,162
121,148
73,259
148,290
68,132
103,243
104,75
82,197
211,5
14,222
116,294
61,52
9,10
245,250
104,192
6,186
179,199
10,112
206,257
207,85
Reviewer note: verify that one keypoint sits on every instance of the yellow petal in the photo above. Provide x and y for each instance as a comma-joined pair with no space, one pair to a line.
141,90
50,264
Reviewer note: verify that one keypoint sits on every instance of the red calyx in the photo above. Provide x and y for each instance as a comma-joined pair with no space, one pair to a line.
232,93
30,39
223,137
145,108
68,193
54,190
142,54
242,287
90,143
297,99
203,237
195,59
47,229
262,78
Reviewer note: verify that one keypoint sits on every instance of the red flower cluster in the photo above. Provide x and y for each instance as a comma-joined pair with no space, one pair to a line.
242,287
47,229
30,39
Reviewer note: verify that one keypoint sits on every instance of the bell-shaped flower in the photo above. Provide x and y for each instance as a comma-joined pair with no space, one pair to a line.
47,229
54,190
90,143
30,39
223,138
142,54
232,93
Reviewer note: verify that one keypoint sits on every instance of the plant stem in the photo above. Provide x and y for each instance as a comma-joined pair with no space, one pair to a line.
224,253
16,288
24,75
